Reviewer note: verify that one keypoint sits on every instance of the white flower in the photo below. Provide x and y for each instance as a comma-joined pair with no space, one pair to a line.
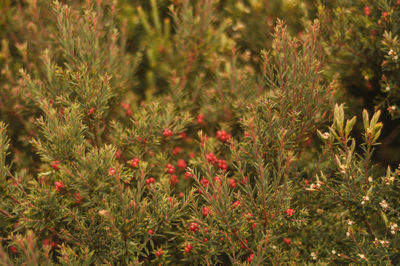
313,256
333,251
364,199
387,88
370,179
393,229
362,256
391,52
347,233
350,222
326,135
384,205
395,57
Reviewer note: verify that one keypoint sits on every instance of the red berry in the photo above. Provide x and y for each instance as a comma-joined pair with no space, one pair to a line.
150,231
232,183
111,171
385,14
55,164
192,154
181,194
205,211
205,239
170,168
188,248
167,133
287,241
254,225
128,112
159,252
217,180
181,164
59,186
289,212
194,227
183,135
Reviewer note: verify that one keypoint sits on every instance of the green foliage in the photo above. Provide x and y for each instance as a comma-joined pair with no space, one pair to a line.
184,132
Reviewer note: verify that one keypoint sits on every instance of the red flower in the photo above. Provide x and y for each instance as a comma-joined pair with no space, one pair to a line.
170,168
173,180
91,111
135,162
289,212
367,11
194,227
118,154
176,150
55,164
236,204
188,248
150,231
159,252
13,249
181,164
232,183
187,175
149,180
223,136
222,164
78,197
200,118
205,211
167,132
250,258
111,171
59,186
287,241
211,158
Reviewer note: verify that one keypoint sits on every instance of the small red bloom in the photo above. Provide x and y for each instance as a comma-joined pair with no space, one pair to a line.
181,164
287,241
232,183
250,258
289,212
128,112
187,175
188,248
111,171
59,186
194,227
385,14
176,150
150,231
118,154
181,194
236,204
367,11
205,239
170,168
78,197
217,180
223,136
135,162
192,154
13,249
91,111
254,225
159,252
222,164
149,180
205,211
200,118
183,135
173,180
167,133
55,164
211,158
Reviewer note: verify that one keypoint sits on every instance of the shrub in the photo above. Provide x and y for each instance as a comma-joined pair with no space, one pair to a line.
220,160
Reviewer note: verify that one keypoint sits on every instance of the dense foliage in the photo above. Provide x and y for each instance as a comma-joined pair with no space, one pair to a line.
203,132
